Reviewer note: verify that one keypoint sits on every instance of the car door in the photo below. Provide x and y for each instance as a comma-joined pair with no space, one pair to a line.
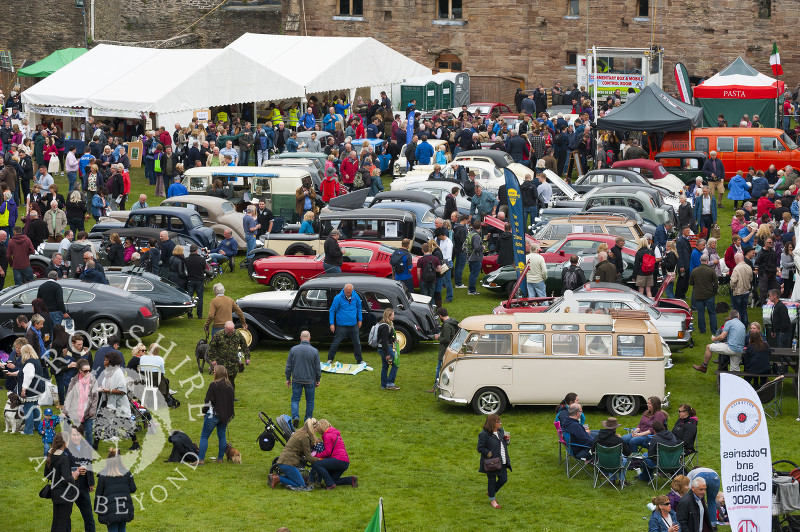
310,312
356,259
13,306
80,307
772,151
745,154
492,358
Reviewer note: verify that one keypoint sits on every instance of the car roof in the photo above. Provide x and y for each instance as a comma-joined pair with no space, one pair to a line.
360,281
412,196
615,171
638,163
250,171
681,154
299,155
147,232
195,199
500,158
447,184
88,287
636,190
185,211
293,161
369,213
612,219
320,134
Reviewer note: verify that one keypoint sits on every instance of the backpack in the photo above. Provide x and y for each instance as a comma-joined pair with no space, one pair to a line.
372,339
468,243
263,140
609,157
428,272
648,264
358,180
397,262
570,279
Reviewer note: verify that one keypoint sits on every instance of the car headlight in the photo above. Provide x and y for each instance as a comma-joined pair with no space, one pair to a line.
445,379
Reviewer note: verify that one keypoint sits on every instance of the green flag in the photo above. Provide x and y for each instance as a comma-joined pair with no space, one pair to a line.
375,523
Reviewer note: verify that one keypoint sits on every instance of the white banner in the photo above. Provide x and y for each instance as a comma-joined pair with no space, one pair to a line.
746,458
76,112
101,111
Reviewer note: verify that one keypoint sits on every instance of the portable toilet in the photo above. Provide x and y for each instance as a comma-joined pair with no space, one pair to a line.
447,90
412,89
432,96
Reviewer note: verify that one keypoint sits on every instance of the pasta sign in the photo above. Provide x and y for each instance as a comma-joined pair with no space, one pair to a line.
746,457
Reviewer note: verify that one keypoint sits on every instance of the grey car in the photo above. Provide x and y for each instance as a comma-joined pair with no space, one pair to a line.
440,188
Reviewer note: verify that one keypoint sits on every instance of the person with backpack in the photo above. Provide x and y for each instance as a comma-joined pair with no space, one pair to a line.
460,231
644,267
402,262
473,247
447,332
572,277
387,350
427,266
264,143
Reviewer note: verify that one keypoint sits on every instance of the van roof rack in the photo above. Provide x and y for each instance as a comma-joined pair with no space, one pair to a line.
598,215
629,314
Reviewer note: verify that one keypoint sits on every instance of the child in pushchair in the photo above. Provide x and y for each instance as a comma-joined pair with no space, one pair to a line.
299,447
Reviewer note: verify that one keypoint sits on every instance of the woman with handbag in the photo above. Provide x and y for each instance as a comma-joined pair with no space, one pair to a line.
114,486
218,414
493,447
62,489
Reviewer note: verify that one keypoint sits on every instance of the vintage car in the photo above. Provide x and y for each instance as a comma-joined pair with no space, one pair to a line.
379,158
671,325
424,206
439,189
282,315
319,158
400,167
606,177
311,165
685,165
616,360
181,220
387,226
554,229
580,244
217,213
304,136
487,108
170,301
654,172
277,186
100,311
625,196
289,272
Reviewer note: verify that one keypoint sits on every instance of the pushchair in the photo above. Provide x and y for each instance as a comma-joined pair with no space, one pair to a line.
279,431
108,426
785,497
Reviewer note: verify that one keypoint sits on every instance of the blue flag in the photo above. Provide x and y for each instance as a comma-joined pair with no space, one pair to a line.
515,219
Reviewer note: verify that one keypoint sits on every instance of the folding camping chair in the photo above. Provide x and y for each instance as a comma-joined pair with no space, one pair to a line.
573,464
771,395
608,463
561,443
669,464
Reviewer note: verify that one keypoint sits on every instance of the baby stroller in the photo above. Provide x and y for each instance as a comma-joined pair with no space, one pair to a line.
785,497
108,426
279,431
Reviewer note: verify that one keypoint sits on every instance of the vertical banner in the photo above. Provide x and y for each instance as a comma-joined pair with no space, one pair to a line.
682,79
746,458
515,219
410,116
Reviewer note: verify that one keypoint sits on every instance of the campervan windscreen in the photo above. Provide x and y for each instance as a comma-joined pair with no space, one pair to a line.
788,141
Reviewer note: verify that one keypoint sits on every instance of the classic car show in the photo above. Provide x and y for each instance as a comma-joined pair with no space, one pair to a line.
352,267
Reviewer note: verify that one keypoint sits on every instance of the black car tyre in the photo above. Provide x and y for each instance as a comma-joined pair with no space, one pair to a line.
300,249
622,405
283,281
100,330
39,270
489,401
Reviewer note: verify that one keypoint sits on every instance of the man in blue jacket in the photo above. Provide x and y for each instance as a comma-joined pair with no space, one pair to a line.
714,171
226,249
580,439
345,320
424,151
705,210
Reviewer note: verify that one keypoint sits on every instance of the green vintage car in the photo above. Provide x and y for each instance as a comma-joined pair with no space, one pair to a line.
503,279
686,165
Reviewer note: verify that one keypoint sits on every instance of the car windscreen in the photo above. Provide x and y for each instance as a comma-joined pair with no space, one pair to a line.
227,207
788,141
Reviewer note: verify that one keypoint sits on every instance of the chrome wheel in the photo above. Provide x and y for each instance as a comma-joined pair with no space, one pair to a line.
101,330
283,281
489,401
622,405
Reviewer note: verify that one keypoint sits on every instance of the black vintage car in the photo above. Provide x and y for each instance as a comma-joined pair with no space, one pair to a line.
282,315
178,219
170,301
98,310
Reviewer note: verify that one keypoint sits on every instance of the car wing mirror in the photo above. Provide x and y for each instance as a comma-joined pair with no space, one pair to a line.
401,306
17,303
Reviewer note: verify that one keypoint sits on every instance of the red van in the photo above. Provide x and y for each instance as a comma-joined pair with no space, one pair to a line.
738,148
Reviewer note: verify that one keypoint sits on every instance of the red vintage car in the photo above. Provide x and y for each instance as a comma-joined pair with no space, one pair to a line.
290,271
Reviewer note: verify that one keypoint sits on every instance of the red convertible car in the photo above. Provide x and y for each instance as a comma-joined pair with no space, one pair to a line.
290,271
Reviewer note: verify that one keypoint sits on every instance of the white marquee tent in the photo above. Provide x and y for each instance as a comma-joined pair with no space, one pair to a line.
254,68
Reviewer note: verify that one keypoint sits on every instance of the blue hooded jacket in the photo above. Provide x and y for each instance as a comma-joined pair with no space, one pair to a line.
344,312
738,188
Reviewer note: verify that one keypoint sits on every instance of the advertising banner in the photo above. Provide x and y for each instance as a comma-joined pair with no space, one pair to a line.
682,80
746,458
76,112
515,218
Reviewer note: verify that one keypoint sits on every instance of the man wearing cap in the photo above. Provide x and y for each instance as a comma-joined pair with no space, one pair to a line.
715,175
607,437
176,188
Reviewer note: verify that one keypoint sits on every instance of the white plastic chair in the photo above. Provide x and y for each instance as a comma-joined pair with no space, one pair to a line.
150,373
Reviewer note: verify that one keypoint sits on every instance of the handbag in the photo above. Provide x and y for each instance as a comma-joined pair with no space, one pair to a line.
45,492
715,231
490,465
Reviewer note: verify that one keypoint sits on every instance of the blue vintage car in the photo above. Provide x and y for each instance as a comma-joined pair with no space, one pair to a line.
180,220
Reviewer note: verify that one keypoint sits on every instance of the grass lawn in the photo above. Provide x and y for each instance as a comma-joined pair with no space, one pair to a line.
417,453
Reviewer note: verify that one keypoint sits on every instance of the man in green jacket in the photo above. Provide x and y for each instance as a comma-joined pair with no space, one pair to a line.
224,349
705,282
